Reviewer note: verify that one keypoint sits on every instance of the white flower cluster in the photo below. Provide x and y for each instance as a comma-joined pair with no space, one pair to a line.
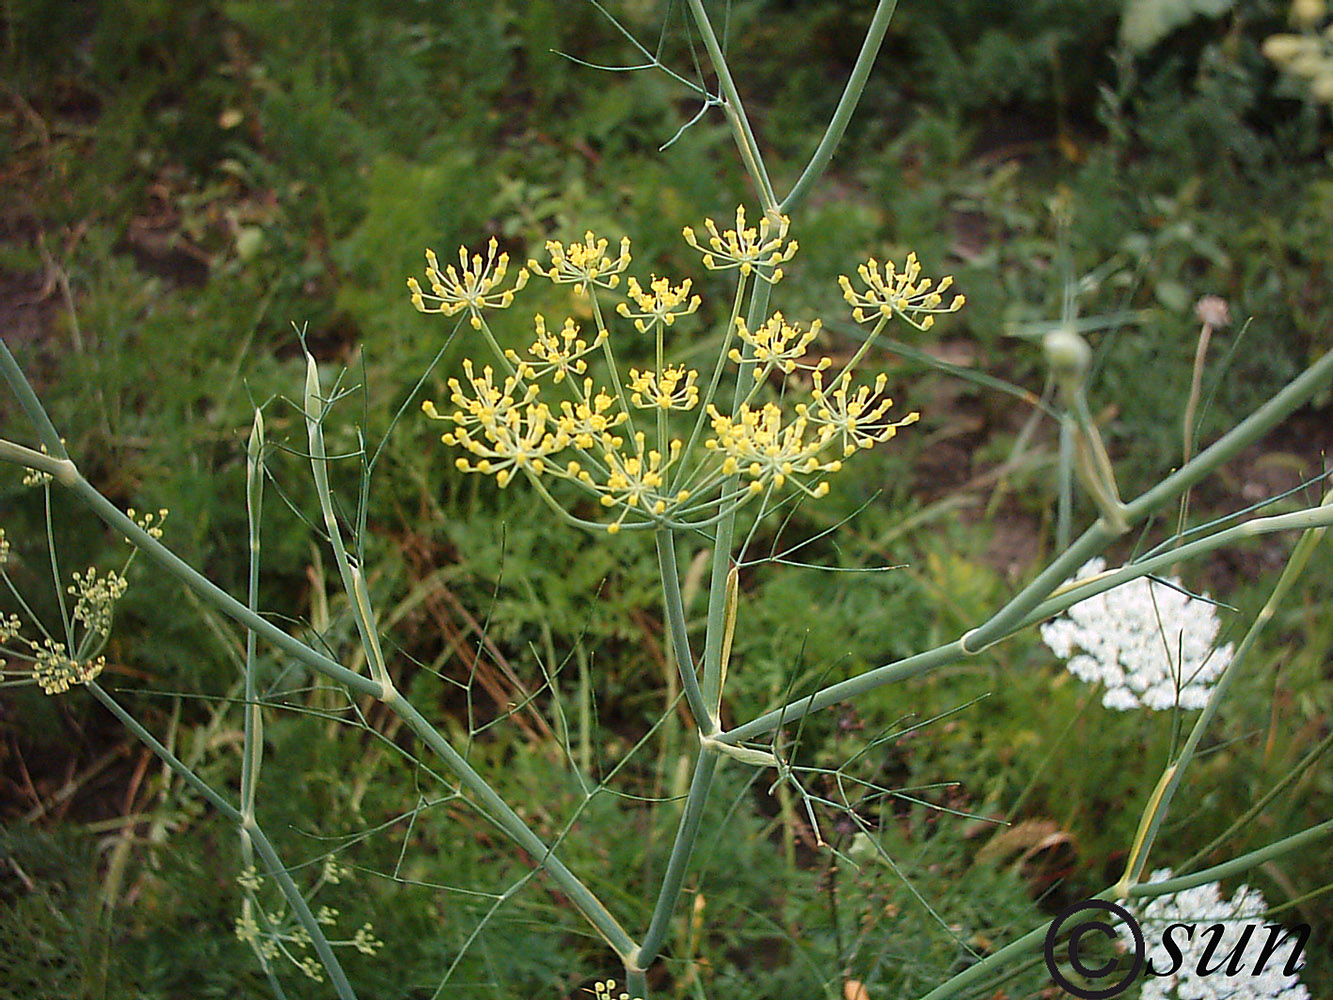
1150,644
1203,906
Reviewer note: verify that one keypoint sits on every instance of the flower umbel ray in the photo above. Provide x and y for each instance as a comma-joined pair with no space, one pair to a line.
473,286
898,293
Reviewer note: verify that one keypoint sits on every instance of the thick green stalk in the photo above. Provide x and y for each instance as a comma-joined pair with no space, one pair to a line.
18,382
680,641
736,117
842,114
677,865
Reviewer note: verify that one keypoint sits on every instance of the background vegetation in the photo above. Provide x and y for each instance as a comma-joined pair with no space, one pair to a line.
186,182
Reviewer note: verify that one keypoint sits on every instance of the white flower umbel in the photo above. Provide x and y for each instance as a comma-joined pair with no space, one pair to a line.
1203,907
1150,644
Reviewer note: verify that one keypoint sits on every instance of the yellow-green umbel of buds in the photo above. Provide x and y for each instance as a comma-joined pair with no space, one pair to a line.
777,344
673,388
55,671
559,353
472,286
660,304
899,293
584,264
857,418
748,249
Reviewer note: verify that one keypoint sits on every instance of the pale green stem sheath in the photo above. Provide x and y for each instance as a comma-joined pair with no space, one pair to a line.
353,582
1034,939
252,748
60,469
736,117
251,831
686,835
1160,804
842,114
680,640
498,812
1020,611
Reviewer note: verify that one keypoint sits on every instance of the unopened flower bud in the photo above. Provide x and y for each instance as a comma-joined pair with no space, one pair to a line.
1067,353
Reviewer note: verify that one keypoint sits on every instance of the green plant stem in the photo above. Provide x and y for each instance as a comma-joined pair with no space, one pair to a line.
500,813
1260,806
736,117
1033,603
842,114
353,582
302,910
253,751
495,809
680,641
1096,538
214,595
686,835
952,652
1034,939
1160,805
22,388
252,831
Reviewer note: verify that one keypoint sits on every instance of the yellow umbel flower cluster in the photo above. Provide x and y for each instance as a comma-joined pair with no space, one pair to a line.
750,250
898,293
471,287
786,425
